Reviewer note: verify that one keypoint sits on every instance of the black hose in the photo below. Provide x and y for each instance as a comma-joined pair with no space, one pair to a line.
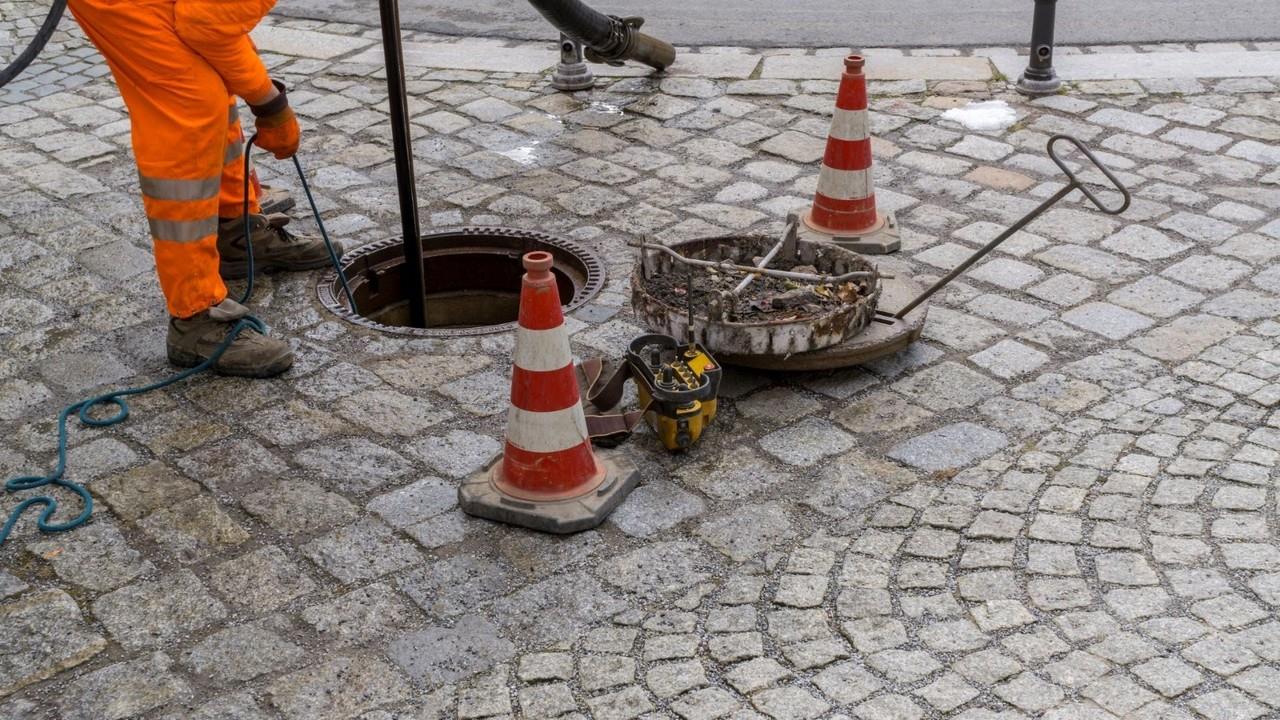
42,36
577,20
608,38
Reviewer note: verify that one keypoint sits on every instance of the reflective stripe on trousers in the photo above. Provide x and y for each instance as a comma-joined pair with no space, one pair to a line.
180,112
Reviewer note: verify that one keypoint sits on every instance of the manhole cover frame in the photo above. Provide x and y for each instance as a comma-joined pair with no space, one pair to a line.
451,241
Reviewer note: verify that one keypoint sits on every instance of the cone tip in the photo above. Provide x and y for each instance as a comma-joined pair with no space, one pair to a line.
538,262
854,63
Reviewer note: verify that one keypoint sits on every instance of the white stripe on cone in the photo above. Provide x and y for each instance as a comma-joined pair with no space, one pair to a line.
542,350
845,184
849,125
547,432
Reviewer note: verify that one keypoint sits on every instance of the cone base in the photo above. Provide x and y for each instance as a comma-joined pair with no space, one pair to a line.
481,497
881,239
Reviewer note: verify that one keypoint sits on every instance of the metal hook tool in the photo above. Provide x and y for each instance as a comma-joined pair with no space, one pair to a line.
1075,184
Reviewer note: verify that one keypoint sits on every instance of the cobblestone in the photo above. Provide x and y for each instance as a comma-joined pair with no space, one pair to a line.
1058,504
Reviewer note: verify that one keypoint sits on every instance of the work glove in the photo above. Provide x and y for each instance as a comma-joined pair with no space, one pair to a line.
276,125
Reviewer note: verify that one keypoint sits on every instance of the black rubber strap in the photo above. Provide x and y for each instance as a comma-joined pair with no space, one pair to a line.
608,428
273,106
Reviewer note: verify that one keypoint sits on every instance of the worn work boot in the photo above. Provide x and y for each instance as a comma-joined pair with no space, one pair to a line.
275,200
274,247
193,340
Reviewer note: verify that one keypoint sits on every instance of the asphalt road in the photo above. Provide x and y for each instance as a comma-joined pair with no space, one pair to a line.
838,23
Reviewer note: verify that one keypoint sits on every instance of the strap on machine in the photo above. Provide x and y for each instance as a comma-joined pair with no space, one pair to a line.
608,429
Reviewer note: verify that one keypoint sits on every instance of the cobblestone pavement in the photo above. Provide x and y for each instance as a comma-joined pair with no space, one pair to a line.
1059,504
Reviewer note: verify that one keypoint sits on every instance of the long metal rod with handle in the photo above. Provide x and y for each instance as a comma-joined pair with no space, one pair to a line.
1074,185
401,144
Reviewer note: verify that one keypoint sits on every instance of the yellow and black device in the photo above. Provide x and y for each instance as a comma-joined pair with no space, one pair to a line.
677,385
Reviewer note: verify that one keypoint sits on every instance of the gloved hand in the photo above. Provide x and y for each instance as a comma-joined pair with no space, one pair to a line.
276,124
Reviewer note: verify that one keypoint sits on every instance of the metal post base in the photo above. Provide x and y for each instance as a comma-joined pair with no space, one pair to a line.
572,73
479,496
1039,84
883,239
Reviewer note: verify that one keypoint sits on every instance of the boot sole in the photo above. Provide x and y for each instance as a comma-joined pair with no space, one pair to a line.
279,207
184,359
240,270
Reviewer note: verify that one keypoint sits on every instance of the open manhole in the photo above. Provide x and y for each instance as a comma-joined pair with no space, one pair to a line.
472,279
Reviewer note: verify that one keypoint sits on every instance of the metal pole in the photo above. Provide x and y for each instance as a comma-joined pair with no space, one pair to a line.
986,249
401,143
1040,78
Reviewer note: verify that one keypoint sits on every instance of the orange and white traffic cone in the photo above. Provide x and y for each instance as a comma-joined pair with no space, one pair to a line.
549,477
844,208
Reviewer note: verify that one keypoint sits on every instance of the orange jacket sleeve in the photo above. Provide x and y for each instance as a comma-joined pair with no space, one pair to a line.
219,31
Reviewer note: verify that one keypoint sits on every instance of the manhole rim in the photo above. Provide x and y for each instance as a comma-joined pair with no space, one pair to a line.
329,291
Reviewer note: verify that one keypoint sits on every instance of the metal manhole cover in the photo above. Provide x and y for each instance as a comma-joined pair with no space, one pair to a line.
472,279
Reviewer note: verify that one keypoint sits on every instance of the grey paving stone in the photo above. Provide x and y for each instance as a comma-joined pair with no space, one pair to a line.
439,655
44,634
123,690
600,672
340,687
362,616
243,652
455,585
1156,297
362,551
1144,243
624,704
298,507
546,666
558,609
709,703
953,446
748,532
655,507
548,701
458,453
97,557
194,529
946,386
1226,703
806,443
389,411
789,703
1009,358
352,464
1108,320
415,502
156,612
260,581
235,706
10,585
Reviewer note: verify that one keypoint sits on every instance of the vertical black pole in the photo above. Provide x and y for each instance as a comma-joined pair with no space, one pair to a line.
1040,78
401,141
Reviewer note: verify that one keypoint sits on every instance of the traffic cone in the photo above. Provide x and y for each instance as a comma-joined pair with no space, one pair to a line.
549,477
844,208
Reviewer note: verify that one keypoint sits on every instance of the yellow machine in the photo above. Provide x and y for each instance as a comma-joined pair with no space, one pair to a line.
677,386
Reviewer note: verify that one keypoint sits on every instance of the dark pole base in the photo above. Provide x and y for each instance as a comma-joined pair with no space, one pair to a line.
1039,84
572,73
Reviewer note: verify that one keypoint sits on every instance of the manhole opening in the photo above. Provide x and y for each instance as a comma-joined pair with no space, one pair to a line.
472,278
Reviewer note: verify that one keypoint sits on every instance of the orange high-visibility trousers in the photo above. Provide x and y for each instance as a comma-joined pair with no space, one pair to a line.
179,65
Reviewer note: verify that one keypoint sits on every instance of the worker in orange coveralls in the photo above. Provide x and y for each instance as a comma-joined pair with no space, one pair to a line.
179,65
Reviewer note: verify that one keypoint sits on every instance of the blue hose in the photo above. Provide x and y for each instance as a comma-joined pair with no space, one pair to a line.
117,398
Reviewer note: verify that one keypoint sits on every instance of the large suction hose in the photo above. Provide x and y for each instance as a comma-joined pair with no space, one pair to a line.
608,39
